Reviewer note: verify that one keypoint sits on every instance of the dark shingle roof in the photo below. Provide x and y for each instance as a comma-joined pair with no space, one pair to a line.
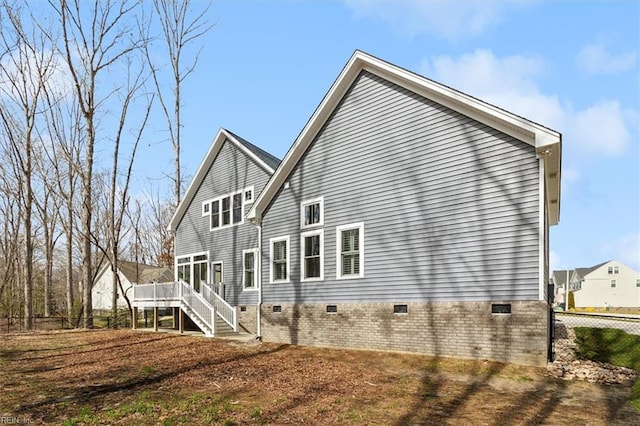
585,271
269,159
560,277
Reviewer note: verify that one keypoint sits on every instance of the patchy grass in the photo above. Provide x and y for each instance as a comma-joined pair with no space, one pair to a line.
614,347
127,377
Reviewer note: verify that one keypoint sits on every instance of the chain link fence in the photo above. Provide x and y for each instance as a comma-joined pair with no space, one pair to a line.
603,336
629,323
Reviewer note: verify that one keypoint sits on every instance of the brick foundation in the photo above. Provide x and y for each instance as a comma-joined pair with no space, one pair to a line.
450,329
247,319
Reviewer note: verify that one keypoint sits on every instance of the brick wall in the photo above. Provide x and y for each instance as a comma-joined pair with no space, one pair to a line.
450,329
247,319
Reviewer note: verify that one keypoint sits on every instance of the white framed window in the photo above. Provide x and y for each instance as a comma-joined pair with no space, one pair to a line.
237,208
638,282
616,269
249,194
215,214
279,259
193,269
610,270
217,272
312,255
312,213
250,269
613,283
227,210
350,251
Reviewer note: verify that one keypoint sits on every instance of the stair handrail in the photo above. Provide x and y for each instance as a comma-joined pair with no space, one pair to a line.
223,309
203,309
207,292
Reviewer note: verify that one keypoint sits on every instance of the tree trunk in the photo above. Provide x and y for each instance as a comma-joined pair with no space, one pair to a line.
87,210
28,239
87,272
114,296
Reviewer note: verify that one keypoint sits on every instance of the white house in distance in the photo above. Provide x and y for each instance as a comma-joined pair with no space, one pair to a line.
560,279
607,285
130,273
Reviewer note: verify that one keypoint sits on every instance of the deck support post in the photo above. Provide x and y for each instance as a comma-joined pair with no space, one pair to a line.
155,318
181,320
134,318
174,319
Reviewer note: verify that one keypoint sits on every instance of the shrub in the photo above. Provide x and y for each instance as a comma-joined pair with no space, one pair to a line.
572,301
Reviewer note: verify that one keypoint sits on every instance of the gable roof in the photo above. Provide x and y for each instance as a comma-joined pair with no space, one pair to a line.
546,141
270,160
560,277
140,273
582,272
262,158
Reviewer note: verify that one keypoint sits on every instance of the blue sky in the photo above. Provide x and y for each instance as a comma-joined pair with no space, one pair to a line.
265,66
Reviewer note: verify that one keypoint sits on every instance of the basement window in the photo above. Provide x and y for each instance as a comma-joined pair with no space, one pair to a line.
332,309
277,309
400,309
501,308
243,309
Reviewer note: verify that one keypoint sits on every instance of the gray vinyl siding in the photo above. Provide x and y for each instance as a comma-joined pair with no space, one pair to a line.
232,170
449,205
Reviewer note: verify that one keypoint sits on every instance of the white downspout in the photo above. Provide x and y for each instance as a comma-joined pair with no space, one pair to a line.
258,328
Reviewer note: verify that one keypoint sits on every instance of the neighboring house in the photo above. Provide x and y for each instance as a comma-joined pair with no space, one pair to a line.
130,273
406,216
607,285
560,280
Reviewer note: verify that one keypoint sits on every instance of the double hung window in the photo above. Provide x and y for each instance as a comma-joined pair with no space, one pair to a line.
237,208
279,256
350,251
250,269
226,211
312,249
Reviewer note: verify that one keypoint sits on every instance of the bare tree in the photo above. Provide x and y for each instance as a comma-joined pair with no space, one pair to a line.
9,244
152,241
47,205
119,195
25,70
179,29
96,36
63,124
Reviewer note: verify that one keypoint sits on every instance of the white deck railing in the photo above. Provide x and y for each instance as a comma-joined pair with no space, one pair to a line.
156,291
204,305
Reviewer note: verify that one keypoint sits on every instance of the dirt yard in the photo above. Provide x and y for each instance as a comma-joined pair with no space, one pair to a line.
135,377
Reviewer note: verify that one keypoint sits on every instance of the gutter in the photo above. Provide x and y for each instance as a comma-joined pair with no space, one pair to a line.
258,308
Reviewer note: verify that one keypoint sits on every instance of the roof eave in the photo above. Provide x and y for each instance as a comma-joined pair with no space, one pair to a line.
520,128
